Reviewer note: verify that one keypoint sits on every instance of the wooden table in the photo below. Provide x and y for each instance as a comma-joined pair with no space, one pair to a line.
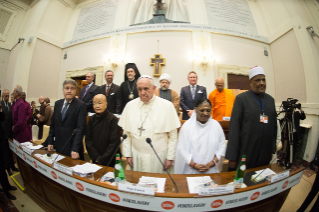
56,191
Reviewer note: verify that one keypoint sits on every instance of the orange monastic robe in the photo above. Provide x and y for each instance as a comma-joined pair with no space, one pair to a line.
222,103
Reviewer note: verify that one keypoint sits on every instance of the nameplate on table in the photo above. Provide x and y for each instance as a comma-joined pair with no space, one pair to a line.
16,142
216,191
64,169
136,189
280,176
226,118
27,150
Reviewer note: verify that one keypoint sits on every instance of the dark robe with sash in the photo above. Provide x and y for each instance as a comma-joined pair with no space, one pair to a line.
102,138
247,135
125,90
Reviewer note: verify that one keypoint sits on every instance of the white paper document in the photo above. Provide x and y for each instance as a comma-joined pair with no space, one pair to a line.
153,180
266,173
35,147
86,168
26,144
194,182
49,160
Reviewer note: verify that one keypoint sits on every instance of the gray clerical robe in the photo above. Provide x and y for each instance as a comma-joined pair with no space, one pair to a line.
102,138
247,135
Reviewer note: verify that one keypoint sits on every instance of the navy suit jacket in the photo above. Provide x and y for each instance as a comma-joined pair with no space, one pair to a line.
75,118
114,99
88,98
187,102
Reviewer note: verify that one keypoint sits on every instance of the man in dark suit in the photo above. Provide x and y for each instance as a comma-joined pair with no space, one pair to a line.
7,127
112,93
69,115
6,187
190,94
88,92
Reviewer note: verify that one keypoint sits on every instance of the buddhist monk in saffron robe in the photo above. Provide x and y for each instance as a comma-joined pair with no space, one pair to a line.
222,101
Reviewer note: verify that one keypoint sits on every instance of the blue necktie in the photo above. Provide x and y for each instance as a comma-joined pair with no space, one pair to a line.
64,110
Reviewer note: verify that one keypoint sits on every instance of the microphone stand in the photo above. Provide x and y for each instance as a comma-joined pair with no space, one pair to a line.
148,140
64,145
107,166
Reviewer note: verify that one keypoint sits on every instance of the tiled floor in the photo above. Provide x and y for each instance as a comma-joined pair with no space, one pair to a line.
295,198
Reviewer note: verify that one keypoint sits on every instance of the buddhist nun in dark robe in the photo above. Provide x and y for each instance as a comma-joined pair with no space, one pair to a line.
102,133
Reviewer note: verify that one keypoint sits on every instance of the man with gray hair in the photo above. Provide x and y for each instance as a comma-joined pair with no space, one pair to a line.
88,92
68,122
149,117
21,114
166,93
112,93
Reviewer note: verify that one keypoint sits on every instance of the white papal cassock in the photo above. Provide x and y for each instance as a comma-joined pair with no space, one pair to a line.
156,120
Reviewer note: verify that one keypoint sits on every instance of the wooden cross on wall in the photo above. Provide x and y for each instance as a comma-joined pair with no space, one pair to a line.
157,62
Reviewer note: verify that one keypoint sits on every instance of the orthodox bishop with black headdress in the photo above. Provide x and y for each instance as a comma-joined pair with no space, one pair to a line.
128,87
151,117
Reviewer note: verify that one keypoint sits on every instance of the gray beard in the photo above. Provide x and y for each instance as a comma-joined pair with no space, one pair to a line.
164,89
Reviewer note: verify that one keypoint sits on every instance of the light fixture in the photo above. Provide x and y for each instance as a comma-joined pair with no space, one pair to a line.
20,39
204,60
312,31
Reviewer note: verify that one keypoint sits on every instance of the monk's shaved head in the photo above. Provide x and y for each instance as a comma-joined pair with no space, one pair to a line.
99,103
219,83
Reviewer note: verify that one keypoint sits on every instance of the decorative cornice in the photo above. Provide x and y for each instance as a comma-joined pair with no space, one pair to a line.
13,5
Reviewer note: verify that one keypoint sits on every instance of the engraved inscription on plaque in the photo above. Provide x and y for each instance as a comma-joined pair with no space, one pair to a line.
95,18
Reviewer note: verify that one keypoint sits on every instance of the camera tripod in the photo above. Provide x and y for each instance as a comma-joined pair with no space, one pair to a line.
287,127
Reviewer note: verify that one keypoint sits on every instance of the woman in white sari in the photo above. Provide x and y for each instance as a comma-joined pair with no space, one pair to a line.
201,142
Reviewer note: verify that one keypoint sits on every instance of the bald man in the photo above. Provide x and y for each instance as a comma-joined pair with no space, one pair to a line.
222,100
102,133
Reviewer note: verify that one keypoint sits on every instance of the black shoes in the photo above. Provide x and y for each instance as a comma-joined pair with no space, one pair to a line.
12,188
9,172
13,168
10,196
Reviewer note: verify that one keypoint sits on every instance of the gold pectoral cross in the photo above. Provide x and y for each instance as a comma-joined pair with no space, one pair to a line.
157,62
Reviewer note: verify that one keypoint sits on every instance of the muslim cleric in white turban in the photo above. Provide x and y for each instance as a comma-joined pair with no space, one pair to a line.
201,142
253,124
166,93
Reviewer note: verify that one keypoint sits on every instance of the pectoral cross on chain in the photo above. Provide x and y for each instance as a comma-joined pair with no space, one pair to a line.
157,62
141,130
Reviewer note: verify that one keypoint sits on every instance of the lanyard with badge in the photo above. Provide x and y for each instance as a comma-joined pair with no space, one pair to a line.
263,117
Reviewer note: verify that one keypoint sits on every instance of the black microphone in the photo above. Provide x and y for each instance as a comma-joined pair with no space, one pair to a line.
124,137
74,131
149,141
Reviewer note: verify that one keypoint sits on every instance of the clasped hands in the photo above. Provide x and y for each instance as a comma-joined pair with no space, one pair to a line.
202,167
74,155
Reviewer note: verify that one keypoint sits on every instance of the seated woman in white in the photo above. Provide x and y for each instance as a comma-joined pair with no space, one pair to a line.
201,142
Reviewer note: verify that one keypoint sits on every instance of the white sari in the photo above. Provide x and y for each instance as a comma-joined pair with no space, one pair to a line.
200,143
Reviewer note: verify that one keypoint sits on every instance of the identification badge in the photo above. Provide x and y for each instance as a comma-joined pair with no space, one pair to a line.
265,119
261,118
35,119
131,96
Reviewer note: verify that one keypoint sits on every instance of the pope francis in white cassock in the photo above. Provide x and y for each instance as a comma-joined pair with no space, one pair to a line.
151,117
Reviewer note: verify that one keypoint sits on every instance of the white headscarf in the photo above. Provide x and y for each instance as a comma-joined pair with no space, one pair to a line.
200,143
255,71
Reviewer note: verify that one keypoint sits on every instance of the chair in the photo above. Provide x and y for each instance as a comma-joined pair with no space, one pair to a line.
46,130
